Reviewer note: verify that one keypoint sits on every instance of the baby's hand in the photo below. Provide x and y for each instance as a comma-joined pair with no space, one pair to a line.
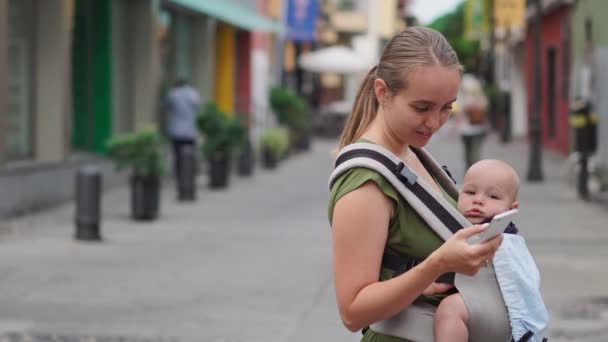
436,288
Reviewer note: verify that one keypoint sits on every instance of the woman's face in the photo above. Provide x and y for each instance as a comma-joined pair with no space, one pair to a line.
414,114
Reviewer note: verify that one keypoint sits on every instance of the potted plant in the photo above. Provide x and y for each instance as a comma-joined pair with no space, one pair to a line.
292,112
222,135
274,143
141,153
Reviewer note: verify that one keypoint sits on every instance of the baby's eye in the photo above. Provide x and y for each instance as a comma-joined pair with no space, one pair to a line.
469,192
494,197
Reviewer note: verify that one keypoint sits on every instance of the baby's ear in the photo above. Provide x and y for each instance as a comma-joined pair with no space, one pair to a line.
515,205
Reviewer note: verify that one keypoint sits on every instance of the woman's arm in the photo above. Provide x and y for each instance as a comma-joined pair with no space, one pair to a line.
359,232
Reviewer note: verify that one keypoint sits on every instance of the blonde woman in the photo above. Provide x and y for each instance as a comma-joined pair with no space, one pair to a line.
403,101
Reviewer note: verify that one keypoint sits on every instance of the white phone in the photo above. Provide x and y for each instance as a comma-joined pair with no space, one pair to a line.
497,226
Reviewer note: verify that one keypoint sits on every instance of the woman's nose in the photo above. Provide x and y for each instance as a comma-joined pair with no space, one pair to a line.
434,121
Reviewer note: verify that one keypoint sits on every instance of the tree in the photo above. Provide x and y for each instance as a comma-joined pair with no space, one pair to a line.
451,25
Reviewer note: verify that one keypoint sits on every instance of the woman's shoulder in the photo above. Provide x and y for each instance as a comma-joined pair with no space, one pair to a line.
356,177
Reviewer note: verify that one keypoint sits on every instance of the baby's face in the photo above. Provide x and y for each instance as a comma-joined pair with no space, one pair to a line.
485,193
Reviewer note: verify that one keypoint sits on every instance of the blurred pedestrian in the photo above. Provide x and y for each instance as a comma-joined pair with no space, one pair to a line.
471,118
182,105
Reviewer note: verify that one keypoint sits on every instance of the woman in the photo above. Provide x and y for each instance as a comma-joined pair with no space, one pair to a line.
403,101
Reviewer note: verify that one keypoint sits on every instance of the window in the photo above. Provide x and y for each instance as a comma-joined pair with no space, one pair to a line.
19,106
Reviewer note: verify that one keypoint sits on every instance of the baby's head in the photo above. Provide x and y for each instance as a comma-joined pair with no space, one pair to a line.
490,188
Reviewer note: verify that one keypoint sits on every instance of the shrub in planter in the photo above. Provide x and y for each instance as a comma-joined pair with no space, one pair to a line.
141,153
293,112
274,144
222,135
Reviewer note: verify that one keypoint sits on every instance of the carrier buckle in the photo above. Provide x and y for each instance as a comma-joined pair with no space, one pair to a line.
404,172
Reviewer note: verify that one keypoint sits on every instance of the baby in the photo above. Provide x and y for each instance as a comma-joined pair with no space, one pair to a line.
490,188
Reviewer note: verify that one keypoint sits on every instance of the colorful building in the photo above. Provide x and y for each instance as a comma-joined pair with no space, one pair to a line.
589,66
554,70
75,72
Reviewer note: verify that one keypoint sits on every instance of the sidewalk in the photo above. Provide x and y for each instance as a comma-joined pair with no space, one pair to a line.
253,263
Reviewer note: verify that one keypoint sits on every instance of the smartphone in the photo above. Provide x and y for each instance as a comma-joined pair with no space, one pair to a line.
497,226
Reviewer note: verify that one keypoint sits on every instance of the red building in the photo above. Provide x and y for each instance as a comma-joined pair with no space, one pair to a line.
554,70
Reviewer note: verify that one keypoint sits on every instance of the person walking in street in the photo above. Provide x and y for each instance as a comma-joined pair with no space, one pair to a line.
182,105
472,118
402,102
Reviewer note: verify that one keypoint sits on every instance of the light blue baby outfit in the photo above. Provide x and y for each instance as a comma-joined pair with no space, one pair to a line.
519,281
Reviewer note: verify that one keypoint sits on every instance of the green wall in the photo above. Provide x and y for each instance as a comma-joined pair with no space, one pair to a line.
595,10
92,75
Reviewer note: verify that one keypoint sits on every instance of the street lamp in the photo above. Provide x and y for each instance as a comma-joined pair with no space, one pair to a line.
535,172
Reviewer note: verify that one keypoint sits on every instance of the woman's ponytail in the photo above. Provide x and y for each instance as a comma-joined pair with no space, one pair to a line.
364,110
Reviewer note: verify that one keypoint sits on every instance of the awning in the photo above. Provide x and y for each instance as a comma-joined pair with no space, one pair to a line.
233,14
335,59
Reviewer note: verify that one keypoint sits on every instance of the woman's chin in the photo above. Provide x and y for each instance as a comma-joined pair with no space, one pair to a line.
419,144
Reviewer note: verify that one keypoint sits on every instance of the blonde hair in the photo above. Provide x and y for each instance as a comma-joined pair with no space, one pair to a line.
414,47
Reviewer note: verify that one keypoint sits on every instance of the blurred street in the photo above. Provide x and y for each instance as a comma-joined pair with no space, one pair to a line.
253,263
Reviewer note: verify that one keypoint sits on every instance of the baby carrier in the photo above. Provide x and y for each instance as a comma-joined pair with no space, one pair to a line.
488,316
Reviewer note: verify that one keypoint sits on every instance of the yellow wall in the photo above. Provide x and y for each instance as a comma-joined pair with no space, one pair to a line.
386,17
224,75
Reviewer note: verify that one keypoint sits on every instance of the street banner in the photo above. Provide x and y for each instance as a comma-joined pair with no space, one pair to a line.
302,18
476,19
509,14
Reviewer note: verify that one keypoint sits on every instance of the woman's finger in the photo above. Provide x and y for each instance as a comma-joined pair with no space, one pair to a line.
472,230
488,247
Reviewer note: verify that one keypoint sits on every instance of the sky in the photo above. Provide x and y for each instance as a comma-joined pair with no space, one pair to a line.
427,10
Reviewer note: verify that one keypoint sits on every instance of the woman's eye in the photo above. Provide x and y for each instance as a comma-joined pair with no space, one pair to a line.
421,109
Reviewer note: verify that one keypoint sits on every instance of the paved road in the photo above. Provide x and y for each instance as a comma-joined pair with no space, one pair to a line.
253,263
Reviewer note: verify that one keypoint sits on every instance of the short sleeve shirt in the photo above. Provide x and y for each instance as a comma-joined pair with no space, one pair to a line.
408,233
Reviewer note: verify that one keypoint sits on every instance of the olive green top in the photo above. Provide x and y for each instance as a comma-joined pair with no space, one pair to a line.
408,234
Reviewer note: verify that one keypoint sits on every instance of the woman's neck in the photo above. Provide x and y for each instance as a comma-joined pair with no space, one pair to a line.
381,136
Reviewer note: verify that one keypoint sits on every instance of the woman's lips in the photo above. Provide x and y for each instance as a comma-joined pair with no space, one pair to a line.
425,135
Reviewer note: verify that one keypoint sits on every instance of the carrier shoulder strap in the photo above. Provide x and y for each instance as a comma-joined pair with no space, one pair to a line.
442,217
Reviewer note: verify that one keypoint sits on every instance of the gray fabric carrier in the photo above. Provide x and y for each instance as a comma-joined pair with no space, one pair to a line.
488,318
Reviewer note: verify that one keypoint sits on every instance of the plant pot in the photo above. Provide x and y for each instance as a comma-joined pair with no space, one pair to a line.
302,142
269,161
145,197
219,170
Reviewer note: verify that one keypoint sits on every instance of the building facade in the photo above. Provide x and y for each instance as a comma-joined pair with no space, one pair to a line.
555,74
73,73
589,71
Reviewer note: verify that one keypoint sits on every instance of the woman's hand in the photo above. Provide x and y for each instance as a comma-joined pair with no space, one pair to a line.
456,255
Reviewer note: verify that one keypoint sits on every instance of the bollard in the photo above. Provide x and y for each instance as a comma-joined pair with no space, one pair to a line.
186,180
246,159
88,202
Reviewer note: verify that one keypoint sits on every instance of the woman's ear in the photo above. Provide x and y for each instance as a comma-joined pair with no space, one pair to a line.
380,90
